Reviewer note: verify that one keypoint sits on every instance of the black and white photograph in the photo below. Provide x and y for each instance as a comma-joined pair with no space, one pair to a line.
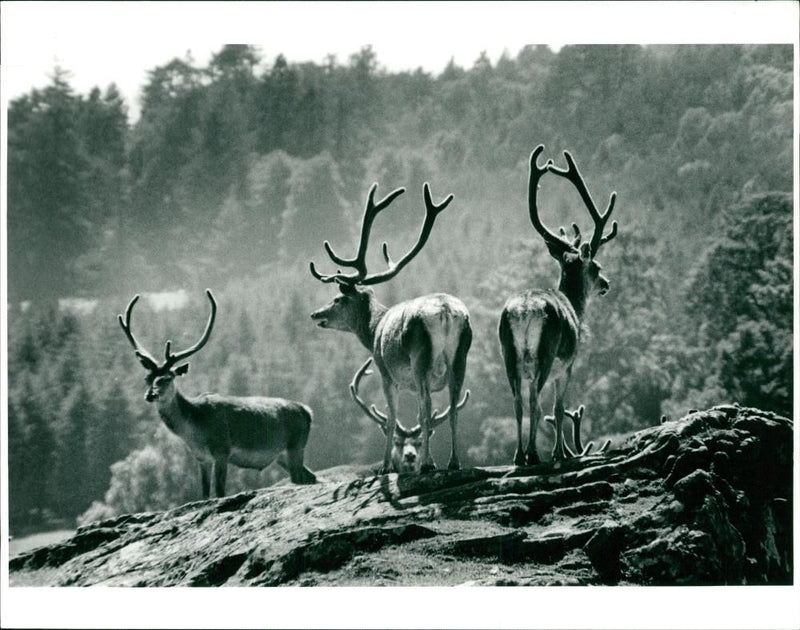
474,295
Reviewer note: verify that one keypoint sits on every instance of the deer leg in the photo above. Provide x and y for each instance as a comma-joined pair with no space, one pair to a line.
389,393
453,464
418,344
297,470
457,371
205,478
514,380
576,433
519,454
220,476
559,452
425,462
536,413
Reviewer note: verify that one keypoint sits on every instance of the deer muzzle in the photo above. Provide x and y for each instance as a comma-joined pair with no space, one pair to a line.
320,317
404,458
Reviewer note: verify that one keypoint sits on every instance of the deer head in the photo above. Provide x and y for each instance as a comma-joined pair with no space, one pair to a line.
347,311
406,442
160,377
580,273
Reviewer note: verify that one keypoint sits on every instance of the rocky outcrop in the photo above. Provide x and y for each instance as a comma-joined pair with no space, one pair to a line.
702,500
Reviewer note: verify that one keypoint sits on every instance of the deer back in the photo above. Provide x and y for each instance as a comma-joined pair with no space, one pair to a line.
540,326
256,421
431,326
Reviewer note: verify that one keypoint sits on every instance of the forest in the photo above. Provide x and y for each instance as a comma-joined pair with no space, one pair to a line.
235,173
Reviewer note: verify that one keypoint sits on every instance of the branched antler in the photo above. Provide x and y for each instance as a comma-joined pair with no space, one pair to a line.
556,245
437,418
382,420
372,412
145,358
572,174
580,450
358,262
170,359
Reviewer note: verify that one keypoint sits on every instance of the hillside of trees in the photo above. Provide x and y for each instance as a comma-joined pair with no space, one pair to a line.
236,172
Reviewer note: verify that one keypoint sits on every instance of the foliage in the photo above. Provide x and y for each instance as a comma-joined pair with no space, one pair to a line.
236,172
741,292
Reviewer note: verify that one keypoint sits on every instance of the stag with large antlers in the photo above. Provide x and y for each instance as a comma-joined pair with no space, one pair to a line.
540,331
249,432
419,345
406,442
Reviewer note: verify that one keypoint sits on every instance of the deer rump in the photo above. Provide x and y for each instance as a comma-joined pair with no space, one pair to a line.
539,334
270,427
422,338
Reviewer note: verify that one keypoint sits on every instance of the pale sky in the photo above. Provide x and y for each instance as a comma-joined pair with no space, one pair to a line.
104,42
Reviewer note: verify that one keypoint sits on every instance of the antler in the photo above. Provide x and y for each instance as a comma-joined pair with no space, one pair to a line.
576,237
572,174
172,359
145,358
432,210
556,245
359,261
372,412
576,417
381,419
437,418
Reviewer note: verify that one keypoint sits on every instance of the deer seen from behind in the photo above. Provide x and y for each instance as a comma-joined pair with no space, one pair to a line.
419,345
540,330
249,432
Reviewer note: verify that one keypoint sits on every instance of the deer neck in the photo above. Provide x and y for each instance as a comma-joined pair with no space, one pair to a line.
368,322
575,290
174,409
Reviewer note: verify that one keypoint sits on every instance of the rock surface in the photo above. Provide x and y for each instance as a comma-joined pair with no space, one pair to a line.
702,500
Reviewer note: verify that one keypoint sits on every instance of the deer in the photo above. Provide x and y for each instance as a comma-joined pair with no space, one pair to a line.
246,431
419,345
541,330
406,442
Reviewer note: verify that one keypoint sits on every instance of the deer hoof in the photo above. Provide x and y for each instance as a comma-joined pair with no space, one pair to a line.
532,459
426,468
453,465
519,458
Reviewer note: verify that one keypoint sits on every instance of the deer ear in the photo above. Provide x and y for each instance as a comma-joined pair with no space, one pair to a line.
586,251
181,369
147,364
